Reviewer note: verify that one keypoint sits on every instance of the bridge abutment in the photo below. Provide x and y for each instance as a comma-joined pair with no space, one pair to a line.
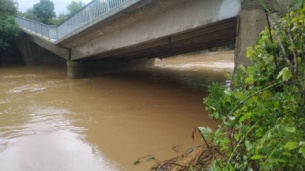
252,20
83,69
33,54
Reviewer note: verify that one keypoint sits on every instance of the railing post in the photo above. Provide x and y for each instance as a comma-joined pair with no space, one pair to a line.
108,5
57,33
49,33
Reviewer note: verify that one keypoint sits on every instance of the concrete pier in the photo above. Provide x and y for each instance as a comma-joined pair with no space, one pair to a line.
252,20
75,70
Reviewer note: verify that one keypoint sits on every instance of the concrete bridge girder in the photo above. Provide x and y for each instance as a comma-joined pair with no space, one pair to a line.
181,18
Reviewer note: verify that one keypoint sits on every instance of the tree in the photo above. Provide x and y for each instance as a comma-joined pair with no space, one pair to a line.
60,18
9,30
7,8
29,15
74,6
44,11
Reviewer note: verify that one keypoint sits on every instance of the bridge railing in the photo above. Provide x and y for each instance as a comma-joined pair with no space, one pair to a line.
85,15
36,27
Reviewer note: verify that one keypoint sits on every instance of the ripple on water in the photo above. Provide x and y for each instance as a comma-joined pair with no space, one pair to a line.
224,65
32,88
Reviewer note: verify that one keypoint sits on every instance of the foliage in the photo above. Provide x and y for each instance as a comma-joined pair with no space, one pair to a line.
44,11
263,114
29,15
74,6
8,28
60,18
7,8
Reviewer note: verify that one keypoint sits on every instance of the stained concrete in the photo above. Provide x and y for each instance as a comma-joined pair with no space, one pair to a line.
33,54
251,21
153,23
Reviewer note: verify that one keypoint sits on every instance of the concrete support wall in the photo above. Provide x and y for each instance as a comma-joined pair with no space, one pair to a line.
34,54
251,21
77,70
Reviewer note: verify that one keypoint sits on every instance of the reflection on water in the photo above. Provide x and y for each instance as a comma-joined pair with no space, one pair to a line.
48,122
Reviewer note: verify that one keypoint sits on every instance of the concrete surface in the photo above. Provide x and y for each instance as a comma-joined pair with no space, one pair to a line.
33,55
175,18
251,21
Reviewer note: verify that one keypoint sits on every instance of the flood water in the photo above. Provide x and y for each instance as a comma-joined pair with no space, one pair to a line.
105,123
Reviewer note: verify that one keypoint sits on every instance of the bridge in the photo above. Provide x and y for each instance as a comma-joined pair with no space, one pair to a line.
108,35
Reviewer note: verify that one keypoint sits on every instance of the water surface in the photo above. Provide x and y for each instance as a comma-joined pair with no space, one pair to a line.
48,122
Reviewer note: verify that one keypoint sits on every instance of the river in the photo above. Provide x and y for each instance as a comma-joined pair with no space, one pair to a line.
51,123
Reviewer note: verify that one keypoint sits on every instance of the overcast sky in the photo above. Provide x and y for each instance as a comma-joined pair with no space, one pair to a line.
59,5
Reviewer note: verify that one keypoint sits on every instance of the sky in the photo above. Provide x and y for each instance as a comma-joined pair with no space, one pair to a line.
59,5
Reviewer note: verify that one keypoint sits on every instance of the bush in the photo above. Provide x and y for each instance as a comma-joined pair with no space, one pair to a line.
263,114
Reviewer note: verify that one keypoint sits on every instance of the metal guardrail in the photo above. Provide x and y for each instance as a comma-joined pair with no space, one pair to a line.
85,15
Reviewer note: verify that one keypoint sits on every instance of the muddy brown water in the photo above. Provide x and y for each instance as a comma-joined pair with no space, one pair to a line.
49,123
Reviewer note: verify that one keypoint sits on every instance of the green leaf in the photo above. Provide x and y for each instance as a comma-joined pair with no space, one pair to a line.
302,151
290,129
291,145
295,4
257,157
243,118
287,154
206,132
285,73
251,70
301,143
248,144
299,60
236,136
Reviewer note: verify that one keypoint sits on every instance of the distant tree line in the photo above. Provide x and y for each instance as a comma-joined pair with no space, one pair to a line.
9,31
43,12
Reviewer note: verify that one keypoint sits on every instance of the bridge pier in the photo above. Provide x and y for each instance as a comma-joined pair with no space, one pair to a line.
76,69
252,20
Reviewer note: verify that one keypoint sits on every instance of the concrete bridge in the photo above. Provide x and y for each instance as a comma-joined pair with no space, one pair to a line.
109,35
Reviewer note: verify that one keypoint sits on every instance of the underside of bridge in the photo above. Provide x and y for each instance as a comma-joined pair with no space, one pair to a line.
212,35
140,30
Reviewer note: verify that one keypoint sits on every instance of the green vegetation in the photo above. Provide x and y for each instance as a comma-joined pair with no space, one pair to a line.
262,115
44,12
72,8
9,31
